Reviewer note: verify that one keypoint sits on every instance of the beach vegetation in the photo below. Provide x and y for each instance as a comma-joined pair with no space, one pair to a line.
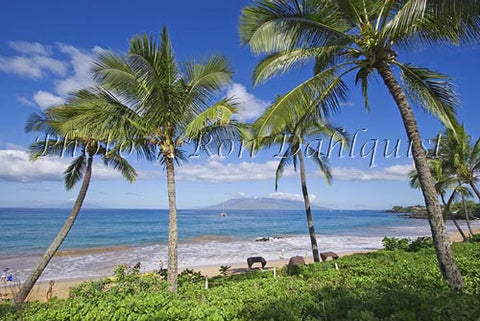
358,40
382,285
405,244
224,270
455,168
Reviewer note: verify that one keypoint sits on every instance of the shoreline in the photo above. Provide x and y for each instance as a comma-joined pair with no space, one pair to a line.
62,287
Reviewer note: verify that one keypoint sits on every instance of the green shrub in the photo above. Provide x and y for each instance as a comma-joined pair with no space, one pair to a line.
382,285
393,243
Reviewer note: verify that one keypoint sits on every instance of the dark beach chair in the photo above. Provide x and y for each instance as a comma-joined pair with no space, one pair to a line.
256,259
326,255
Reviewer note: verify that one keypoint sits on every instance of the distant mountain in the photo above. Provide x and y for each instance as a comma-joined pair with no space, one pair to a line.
261,204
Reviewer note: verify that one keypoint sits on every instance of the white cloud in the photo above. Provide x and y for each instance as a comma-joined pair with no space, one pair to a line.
81,63
25,101
237,194
32,67
216,172
70,68
15,166
392,173
45,99
26,47
250,107
290,196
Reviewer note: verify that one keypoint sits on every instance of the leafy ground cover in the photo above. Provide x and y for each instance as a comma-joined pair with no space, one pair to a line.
385,285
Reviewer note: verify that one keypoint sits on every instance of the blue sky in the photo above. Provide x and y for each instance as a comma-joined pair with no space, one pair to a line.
45,49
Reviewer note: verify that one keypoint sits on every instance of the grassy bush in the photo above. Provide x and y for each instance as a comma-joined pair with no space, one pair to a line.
393,243
383,285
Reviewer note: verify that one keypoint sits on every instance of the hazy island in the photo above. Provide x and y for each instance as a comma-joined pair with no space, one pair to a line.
265,203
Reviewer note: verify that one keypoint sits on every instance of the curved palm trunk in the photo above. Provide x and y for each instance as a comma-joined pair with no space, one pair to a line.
467,218
172,227
475,189
308,210
443,250
448,212
57,242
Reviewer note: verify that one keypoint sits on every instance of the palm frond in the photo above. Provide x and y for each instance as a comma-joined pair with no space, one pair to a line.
326,89
432,91
75,171
120,164
274,26
285,161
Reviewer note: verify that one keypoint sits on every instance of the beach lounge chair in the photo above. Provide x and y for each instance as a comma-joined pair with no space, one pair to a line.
256,259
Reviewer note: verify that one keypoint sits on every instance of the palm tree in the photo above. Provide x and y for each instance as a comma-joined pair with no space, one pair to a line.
362,36
464,194
460,157
443,183
292,138
150,97
60,140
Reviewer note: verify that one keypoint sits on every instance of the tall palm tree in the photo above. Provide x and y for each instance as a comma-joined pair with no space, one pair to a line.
62,140
153,98
362,36
460,156
293,137
443,183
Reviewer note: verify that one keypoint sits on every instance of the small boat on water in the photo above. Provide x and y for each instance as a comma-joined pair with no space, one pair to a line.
223,213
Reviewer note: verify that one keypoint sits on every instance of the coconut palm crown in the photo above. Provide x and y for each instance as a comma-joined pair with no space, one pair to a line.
62,140
363,38
150,98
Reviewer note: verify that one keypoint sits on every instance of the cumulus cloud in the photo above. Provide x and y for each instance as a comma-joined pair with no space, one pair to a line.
45,99
290,196
392,173
81,62
215,171
15,166
249,106
68,66
26,47
32,67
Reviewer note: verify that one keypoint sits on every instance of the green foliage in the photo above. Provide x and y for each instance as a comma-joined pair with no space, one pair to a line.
382,285
393,243
224,270
472,208
475,238
189,275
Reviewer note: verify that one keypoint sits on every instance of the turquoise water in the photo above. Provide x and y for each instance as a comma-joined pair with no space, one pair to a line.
30,231
104,238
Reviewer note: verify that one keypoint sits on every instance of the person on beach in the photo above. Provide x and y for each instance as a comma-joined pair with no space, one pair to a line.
48,295
3,278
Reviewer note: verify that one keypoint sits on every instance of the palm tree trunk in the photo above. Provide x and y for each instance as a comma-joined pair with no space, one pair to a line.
467,218
308,210
172,227
57,242
448,212
475,189
443,250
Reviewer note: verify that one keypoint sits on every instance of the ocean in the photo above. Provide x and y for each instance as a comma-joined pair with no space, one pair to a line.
104,238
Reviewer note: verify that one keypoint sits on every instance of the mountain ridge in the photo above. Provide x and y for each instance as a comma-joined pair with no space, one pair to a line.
262,203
